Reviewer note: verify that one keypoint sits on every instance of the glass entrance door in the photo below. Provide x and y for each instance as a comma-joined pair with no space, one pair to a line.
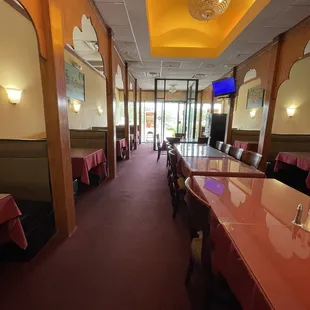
175,108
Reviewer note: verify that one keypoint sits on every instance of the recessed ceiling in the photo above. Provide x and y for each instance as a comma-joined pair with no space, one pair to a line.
128,20
175,33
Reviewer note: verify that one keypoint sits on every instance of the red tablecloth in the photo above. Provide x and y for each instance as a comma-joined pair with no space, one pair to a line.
120,145
299,159
10,226
246,145
84,160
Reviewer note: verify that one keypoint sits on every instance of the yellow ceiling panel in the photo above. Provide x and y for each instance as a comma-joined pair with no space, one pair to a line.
175,33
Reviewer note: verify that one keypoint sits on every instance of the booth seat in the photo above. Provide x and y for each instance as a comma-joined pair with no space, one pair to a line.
25,175
245,135
285,143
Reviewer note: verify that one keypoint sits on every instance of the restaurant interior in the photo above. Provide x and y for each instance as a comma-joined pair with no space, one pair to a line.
154,154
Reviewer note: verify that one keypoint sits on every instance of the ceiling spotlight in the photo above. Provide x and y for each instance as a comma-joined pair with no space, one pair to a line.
172,89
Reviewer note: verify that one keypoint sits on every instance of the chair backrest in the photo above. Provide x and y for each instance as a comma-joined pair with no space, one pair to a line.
218,145
173,162
158,142
173,140
225,148
180,135
198,210
236,152
203,140
251,158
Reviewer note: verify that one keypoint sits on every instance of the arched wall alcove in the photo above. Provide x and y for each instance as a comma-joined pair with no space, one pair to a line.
20,69
85,61
119,97
242,118
294,93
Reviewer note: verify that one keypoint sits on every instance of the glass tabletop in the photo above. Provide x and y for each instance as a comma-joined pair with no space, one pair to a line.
199,150
226,166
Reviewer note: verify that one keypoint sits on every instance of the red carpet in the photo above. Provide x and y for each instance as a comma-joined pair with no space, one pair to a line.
127,252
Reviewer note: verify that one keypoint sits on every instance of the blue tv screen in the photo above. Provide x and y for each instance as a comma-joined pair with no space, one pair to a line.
224,87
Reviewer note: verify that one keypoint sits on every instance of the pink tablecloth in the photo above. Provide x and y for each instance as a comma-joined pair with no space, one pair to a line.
246,145
10,226
120,145
299,159
86,160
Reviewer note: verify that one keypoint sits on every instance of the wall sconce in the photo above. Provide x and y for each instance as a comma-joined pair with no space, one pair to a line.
100,111
76,106
14,95
290,112
253,114
77,66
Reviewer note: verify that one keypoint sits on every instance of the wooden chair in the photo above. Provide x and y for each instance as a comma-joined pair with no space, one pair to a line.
159,147
198,224
251,158
225,148
203,140
177,183
218,291
218,145
236,152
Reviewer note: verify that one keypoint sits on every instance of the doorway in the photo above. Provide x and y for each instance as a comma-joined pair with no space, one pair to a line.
175,108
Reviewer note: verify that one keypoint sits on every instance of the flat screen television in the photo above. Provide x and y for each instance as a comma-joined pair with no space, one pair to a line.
224,87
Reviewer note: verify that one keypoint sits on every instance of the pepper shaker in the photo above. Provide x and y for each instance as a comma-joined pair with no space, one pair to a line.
297,220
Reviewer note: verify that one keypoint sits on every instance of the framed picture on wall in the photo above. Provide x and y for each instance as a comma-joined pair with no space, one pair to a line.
255,97
75,83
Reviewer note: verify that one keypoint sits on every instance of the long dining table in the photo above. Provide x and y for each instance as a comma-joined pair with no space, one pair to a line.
263,256
198,150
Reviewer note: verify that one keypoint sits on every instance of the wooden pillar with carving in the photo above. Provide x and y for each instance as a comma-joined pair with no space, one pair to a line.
135,113
126,107
269,102
140,115
111,112
230,115
56,119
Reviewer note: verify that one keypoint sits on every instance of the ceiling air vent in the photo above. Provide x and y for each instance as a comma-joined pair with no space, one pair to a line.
171,64
208,66
200,76
152,75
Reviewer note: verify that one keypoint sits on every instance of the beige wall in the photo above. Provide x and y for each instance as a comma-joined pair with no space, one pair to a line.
294,92
20,68
95,96
242,118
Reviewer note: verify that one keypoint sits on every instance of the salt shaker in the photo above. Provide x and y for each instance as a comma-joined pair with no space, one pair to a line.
297,220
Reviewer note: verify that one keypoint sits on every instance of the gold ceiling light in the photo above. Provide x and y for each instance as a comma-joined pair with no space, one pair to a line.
206,10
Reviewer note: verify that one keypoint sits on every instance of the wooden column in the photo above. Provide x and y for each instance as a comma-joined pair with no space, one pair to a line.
229,120
135,113
212,102
140,115
270,102
200,116
230,114
56,119
126,107
111,112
